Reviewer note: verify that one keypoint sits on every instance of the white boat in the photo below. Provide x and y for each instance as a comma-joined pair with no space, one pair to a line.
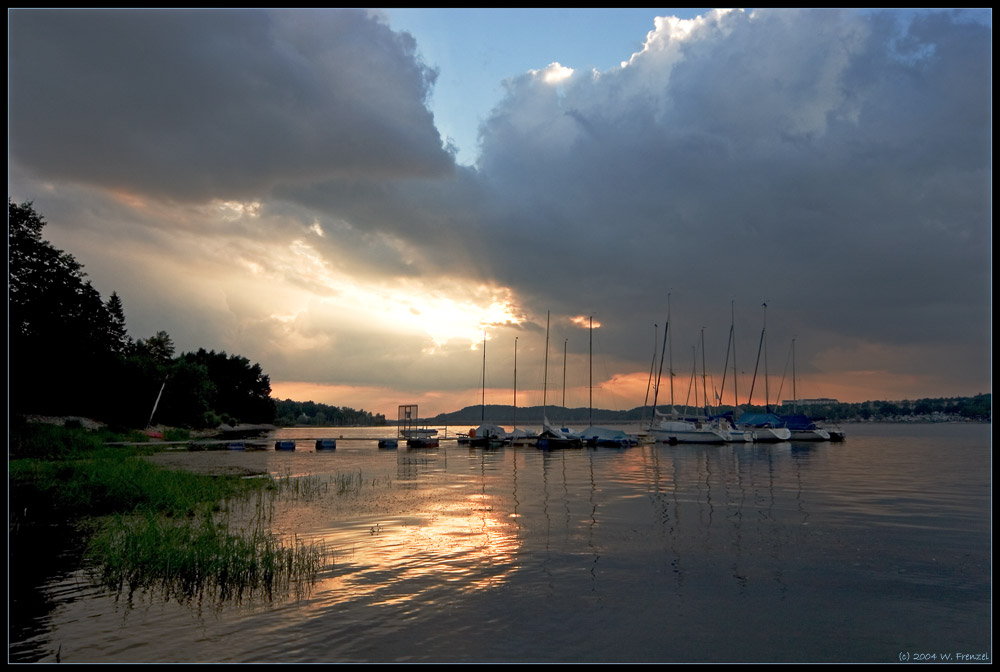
604,436
601,436
488,436
550,437
767,427
802,427
736,434
523,437
676,429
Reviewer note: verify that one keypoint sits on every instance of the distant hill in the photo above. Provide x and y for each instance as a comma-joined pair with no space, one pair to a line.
978,408
532,415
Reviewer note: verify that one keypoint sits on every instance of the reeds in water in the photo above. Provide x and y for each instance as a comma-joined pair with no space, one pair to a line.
184,559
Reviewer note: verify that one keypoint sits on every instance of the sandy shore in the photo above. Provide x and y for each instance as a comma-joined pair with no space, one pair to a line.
215,462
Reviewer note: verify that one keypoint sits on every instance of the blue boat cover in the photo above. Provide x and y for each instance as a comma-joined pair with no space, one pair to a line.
761,420
798,422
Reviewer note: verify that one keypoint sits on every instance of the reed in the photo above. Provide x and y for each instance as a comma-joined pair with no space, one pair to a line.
206,556
154,527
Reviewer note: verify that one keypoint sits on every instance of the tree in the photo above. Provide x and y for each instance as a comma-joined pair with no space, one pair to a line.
118,339
159,348
58,322
243,390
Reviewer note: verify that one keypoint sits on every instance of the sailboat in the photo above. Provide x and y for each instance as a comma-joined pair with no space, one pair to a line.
602,436
767,427
736,434
673,428
519,437
802,428
486,435
551,438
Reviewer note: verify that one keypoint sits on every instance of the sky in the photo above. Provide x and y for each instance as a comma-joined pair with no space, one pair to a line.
379,205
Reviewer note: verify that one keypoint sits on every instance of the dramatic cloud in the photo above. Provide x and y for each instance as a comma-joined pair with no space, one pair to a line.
202,104
272,183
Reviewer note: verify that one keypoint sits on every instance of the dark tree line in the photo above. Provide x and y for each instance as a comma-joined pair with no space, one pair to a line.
290,413
70,352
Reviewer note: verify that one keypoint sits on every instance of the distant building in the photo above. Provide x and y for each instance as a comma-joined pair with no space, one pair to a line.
809,402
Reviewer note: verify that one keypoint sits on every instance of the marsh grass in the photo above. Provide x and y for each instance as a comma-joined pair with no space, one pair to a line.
151,527
159,530
309,487
201,558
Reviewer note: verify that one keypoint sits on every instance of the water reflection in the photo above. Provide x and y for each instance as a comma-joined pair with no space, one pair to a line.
654,553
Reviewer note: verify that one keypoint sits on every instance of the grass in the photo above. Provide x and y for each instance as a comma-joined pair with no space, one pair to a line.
152,527
182,560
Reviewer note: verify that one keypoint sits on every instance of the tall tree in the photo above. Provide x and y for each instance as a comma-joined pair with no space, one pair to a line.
118,339
58,323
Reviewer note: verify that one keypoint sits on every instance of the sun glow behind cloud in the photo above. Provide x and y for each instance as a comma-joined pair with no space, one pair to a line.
445,311
445,317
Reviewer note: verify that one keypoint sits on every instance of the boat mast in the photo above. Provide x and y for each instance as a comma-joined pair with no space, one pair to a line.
656,390
732,334
483,411
590,400
763,336
694,378
795,397
652,366
515,384
731,347
545,374
565,345
670,351
704,385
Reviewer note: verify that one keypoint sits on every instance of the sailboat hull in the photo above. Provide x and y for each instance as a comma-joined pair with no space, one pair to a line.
689,432
810,435
772,434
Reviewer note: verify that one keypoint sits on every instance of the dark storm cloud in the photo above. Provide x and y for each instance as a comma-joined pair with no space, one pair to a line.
823,161
199,104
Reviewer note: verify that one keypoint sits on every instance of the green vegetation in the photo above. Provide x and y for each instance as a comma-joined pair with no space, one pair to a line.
146,551
289,413
154,527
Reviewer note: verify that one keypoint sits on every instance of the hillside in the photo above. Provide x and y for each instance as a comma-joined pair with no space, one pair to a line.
953,409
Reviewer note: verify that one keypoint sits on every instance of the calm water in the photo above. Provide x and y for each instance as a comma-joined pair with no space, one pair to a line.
868,550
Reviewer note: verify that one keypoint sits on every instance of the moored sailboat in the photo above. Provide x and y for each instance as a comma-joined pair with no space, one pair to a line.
736,434
550,437
601,436
766,427
802,427
674,428
486,435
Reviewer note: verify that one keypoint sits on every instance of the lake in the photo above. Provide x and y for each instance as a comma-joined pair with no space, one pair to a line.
877,549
